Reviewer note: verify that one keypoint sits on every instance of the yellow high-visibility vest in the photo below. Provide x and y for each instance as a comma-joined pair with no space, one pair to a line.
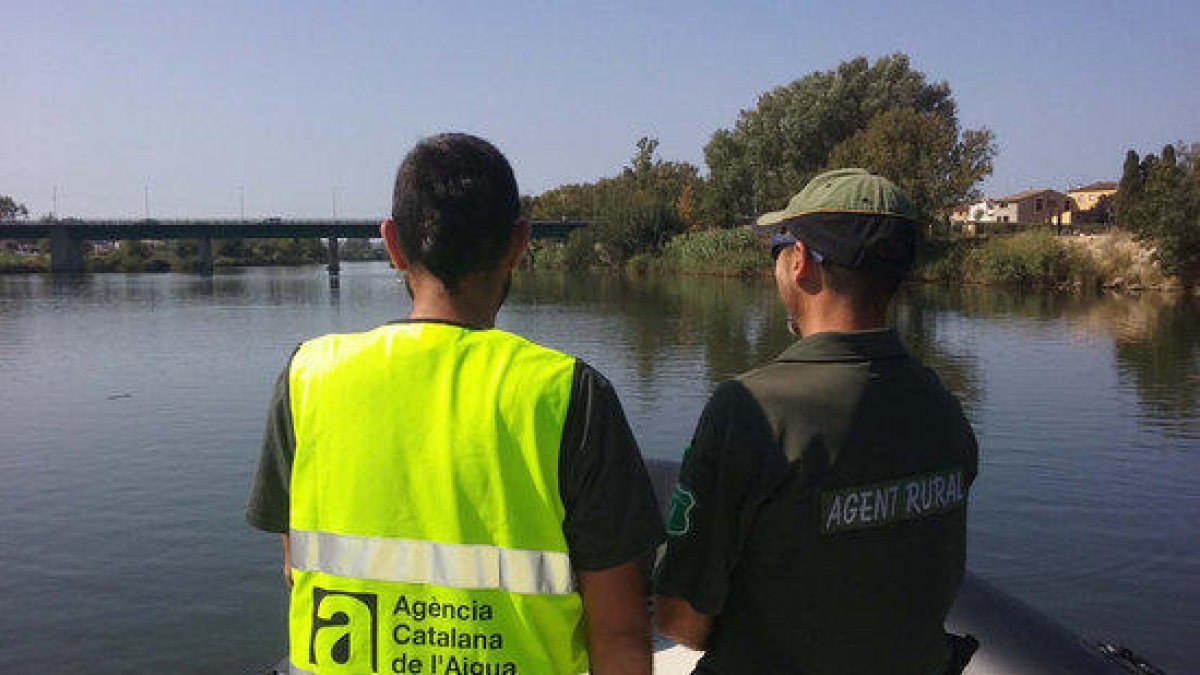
426,520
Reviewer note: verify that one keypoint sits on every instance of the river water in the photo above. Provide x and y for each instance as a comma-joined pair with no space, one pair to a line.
131,407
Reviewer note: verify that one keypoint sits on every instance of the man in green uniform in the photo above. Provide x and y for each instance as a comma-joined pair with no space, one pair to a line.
454,498
818,526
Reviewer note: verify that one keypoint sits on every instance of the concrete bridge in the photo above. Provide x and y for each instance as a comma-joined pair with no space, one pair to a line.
68,236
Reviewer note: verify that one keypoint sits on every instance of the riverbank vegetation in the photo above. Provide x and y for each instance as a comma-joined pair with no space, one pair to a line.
1035,258
658,215
730,252
1032,259
184,255
176,256
16,262
1159,202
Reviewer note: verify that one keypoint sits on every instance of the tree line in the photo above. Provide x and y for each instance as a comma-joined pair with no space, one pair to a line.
1159,202
884,116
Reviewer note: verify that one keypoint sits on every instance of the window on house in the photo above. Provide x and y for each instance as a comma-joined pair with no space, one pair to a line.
1037,204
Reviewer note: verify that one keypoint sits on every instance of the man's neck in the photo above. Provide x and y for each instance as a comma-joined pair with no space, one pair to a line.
836,317
432,302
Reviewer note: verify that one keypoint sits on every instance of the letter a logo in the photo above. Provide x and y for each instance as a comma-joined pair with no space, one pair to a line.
344,630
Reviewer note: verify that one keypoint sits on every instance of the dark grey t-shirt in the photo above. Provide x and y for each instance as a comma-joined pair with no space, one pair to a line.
611,513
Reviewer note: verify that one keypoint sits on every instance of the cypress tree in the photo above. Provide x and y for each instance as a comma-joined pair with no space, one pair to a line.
1159,203
1168,156
1129,190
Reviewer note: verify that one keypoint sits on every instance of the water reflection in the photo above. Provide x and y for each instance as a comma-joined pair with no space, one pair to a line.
736,323
922,315
1158,351
1155,340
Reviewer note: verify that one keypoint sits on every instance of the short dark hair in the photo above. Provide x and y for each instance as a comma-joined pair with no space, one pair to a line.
455,205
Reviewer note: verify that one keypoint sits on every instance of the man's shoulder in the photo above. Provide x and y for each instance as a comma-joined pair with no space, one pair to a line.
766,373
781,383
529,346
328,352
347,339
537,362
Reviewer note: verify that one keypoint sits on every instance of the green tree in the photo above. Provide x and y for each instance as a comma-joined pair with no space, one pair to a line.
794,130
231,250
566,202
1129,190
636,211
924,154
1101,213
10,209
1159,202
729,190
642,165
527,203
361,249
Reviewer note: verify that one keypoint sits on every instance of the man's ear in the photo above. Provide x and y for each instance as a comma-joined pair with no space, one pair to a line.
804,268
522,232
391,241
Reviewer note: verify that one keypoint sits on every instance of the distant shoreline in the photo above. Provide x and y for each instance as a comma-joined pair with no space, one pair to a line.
1035,260
141,257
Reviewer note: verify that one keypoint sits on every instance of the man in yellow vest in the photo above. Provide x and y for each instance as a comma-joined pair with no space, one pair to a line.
454,498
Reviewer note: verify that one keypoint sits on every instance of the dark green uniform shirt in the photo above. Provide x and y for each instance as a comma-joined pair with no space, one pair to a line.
611,517
821,512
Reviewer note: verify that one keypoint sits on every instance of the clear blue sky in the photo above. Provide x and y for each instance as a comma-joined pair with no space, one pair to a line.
290,101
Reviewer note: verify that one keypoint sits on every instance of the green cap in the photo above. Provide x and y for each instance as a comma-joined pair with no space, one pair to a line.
845,191
853,218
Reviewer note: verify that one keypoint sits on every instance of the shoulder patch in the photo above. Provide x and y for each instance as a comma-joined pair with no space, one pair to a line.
679,515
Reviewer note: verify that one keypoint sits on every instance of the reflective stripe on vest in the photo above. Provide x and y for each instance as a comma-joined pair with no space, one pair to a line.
465,566
425,513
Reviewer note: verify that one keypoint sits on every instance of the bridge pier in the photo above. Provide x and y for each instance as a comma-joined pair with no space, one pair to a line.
204,255
335,262
66,252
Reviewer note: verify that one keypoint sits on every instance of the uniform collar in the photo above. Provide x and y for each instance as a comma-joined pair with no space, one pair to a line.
862,345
